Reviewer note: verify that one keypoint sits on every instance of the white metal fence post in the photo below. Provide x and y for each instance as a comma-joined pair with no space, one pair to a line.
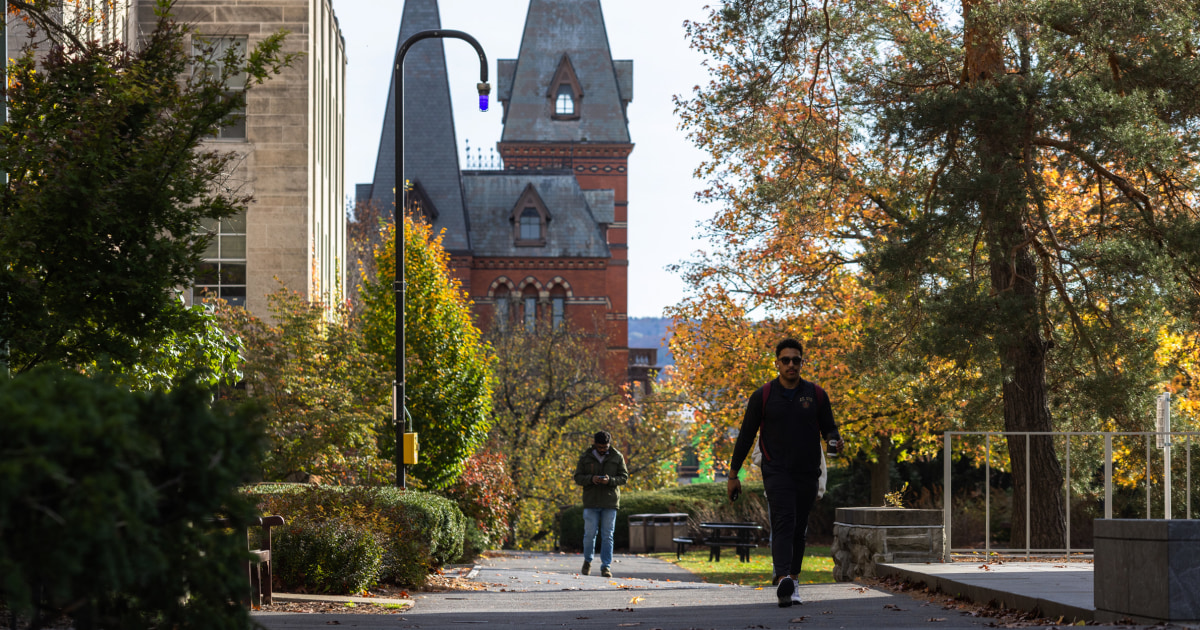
946,493
1107,475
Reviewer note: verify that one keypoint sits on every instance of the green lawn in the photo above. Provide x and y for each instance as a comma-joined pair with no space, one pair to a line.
818,566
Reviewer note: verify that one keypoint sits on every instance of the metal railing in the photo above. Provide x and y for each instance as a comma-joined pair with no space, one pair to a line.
947,494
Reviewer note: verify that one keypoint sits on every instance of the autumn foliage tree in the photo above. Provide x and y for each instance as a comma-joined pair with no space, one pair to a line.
551,394
724,353
448,367
1015,180
324,395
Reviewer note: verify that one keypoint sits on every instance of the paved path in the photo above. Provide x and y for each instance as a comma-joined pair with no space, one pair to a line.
531,590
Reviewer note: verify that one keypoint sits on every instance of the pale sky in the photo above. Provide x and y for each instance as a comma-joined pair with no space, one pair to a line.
663,211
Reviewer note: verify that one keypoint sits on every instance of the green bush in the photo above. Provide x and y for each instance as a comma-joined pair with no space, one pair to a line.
330,557
700,501
419,532
104,500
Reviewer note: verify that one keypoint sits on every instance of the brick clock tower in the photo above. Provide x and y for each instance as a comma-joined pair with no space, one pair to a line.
565,101
545,236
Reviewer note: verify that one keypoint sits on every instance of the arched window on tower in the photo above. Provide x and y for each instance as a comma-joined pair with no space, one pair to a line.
558,306
500,299
564,101
564,91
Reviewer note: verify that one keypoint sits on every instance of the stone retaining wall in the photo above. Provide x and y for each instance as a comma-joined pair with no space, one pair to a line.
864,537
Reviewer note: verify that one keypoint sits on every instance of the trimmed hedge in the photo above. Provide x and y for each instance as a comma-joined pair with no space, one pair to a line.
330,557
419,532
700,501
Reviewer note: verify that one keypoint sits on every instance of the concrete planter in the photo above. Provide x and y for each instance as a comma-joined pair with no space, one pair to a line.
865,537
1147,570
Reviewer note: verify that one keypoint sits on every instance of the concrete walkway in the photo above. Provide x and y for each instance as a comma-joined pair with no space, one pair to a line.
526,590
1052,590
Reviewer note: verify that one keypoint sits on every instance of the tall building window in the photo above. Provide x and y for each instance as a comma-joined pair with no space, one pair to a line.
531,224
558,305
223,270
501,301
218,50
530,314
564,102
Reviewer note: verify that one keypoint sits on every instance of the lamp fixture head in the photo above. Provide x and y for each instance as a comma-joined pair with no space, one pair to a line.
484,89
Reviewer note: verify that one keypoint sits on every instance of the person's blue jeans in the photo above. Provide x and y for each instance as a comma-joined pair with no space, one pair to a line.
604,521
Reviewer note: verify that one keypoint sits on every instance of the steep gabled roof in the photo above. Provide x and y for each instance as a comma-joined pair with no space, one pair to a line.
430,145
575,231
554,28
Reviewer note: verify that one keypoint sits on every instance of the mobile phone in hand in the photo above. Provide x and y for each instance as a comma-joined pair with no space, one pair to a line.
737,493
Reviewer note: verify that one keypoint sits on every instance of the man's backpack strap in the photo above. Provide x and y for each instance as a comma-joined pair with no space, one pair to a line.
820,394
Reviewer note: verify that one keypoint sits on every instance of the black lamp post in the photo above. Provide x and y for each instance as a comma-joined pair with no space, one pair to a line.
398,406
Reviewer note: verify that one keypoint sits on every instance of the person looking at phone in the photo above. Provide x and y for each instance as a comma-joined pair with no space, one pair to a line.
601,471
793,420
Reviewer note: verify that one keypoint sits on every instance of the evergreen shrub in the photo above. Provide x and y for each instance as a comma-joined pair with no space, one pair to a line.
107,500
419,532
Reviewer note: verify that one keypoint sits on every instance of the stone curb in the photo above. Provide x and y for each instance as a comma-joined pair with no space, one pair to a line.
339,599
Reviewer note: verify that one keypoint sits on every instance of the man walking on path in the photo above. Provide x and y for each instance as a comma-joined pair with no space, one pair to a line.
601,471
795,419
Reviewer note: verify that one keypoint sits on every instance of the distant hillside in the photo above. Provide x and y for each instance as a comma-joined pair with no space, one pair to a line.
651,332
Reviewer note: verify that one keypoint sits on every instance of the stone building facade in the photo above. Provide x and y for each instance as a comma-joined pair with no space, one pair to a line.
290,145
292,154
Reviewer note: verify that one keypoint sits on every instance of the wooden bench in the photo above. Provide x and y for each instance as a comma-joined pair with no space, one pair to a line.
743,549
740,536
258,568
682,543
714,547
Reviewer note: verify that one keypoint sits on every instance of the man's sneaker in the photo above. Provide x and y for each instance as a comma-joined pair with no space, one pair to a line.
796,601
587,568
785,591
605,572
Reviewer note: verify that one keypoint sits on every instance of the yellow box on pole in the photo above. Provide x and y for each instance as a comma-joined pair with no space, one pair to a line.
410,448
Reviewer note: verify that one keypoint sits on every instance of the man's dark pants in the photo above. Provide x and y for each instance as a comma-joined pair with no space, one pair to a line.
790,498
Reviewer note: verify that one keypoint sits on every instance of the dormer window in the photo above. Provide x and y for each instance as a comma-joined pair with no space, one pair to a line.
529,218
564,104
531,224
565,91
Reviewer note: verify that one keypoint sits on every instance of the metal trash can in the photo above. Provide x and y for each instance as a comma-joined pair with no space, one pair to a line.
668,526
639,537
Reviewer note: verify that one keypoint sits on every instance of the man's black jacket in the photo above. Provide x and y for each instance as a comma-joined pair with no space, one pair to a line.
792,436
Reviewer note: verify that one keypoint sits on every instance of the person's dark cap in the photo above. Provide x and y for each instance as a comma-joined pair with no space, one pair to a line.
602,437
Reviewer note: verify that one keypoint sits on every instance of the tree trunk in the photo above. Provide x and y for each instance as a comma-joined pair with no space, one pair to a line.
881,470
1001,145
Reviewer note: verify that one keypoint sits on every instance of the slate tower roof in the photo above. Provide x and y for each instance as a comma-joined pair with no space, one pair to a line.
430,145
570,30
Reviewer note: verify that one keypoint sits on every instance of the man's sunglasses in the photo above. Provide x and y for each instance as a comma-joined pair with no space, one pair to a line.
790,360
